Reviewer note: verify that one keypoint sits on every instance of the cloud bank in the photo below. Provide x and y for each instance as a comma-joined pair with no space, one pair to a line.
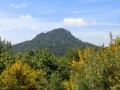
27,22
74,22
26,17
78,22
18,5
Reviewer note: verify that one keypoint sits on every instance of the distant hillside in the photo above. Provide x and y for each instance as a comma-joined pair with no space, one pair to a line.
57,40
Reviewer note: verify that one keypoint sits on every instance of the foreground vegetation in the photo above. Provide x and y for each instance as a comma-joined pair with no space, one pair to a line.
88,69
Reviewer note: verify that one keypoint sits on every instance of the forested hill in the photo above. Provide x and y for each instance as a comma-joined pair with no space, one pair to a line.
57,40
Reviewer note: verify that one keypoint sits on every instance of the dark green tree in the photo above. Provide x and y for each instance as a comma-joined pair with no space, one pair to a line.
5,54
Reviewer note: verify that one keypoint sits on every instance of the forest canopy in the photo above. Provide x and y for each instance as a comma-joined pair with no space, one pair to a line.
88,69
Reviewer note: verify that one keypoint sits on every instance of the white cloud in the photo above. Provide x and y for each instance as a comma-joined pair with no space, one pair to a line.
27,22
26,17
74,22
18,5
103,24
78,22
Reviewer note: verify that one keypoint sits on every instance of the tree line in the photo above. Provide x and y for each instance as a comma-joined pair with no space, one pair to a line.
89,69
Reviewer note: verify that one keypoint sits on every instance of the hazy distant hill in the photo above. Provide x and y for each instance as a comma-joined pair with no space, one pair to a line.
57,40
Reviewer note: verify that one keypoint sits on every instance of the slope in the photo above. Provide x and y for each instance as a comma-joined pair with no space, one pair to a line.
57,40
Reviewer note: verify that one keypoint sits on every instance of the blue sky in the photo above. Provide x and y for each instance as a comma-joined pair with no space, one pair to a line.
89,20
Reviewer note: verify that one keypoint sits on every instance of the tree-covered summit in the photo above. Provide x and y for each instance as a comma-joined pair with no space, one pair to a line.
57,40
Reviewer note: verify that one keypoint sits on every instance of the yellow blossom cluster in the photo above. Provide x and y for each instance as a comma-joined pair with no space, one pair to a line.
21,76
96,69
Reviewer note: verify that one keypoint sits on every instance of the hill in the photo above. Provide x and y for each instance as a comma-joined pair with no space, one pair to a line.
57,40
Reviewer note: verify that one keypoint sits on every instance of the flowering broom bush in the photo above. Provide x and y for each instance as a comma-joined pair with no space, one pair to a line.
96,70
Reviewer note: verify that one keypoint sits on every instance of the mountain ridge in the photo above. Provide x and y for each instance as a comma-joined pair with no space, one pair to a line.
57,40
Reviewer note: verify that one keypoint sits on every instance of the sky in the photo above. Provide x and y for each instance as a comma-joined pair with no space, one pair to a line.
89,20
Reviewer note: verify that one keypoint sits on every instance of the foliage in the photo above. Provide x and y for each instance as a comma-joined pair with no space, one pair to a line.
55,82
72,53
5,54
78,69
20,76
57,40
43,59
96,70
